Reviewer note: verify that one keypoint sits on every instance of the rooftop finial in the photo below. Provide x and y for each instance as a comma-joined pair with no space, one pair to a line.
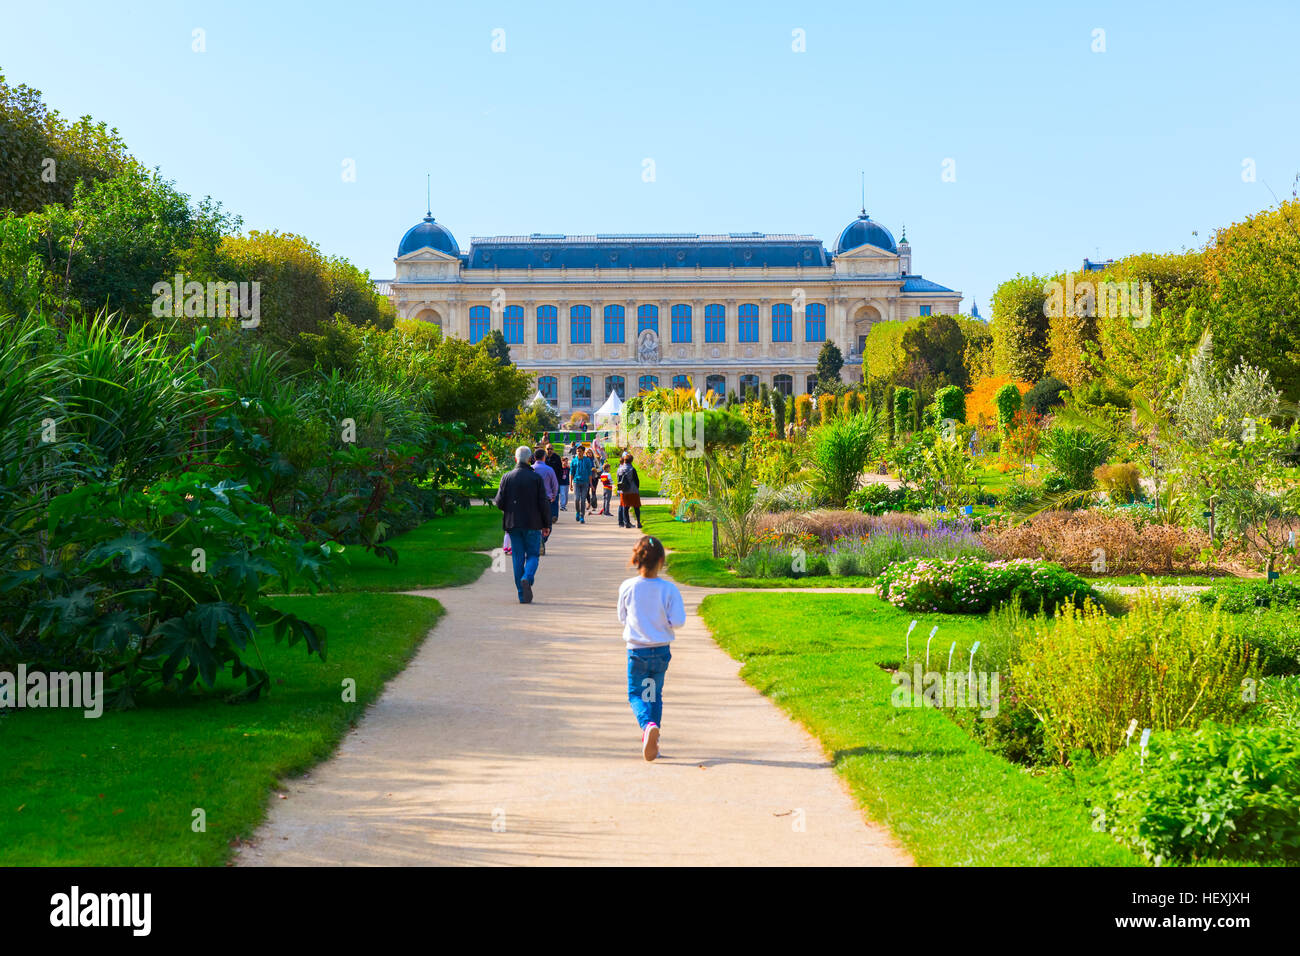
864,192
428,196
904,239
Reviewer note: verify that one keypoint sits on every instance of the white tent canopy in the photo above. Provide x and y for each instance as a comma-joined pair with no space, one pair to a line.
613,406
538,397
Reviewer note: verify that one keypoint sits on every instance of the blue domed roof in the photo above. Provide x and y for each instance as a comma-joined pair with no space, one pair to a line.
431,234
863,231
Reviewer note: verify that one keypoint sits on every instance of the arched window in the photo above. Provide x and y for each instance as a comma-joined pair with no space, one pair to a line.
749,323
480,322
681,381
783,384
615,323
513,326
647,317
815,322
681,322
782,322
812,384
748,383
717,384
715,323
615,383
647,383
580,330
548,326
549,386
582,389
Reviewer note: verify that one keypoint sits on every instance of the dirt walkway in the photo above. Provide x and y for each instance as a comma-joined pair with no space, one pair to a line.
509,740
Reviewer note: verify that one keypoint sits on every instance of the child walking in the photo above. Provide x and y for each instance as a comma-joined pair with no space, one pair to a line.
649,608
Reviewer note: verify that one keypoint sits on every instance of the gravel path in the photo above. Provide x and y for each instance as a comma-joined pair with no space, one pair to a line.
508,740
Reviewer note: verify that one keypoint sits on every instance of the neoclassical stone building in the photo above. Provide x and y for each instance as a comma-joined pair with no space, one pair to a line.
588,315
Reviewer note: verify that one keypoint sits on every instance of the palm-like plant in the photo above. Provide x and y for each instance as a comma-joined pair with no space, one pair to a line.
840,451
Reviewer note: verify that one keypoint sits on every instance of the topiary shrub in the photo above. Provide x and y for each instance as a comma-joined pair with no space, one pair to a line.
950,402
1045,395
1227,793
1007,400
904,399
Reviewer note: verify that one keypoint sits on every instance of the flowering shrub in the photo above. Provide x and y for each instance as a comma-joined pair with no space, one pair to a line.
969,585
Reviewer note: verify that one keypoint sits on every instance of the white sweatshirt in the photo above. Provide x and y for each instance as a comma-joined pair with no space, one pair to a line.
649,608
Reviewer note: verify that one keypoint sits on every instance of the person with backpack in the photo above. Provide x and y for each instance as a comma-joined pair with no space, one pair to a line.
580,470
629,492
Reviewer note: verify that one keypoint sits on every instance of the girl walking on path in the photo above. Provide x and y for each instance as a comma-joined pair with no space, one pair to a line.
564,484
649,608
629,492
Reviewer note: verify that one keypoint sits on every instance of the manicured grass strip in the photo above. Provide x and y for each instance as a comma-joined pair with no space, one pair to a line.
692,561
122,789
430,556
949,801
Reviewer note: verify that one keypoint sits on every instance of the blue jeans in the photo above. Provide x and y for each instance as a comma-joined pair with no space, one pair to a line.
555,510
646,667
525,547
564,496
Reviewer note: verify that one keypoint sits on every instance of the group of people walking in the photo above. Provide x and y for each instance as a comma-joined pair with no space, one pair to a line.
531,497
541,485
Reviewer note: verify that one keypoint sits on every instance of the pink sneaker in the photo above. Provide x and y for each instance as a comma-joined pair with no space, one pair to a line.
650,742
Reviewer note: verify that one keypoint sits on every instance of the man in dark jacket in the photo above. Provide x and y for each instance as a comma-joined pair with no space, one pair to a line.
526,509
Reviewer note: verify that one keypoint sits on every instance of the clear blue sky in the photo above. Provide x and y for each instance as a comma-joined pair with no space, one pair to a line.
1059,152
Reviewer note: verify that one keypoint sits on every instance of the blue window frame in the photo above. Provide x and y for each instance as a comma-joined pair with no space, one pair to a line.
647,317
582,388
815,322
681,381
616,383
748,383
925,310
513,325
717,384
811,383
715,323
782,322
749,323
480,322
681,323
549,386
783,384
548,326
615,323
647,383
580,330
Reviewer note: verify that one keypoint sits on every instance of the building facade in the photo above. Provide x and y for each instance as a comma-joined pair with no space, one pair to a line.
587,315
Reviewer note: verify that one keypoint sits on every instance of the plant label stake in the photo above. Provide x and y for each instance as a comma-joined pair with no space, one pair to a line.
970,675
1128,734
927,647
1146,735
950,651
907,642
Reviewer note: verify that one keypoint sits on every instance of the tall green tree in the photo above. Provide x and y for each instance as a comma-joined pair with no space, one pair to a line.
1020,328
830,360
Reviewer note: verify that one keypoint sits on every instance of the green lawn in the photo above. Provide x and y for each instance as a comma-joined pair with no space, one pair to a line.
122,789
949,801
437,554
692,561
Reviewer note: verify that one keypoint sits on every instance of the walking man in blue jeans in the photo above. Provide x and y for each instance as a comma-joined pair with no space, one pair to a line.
526,511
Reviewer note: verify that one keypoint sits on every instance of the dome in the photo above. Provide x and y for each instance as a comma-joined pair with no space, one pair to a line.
862,231
431,234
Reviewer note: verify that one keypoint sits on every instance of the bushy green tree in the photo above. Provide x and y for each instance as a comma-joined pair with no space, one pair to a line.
1020,328
1008,401
830,360
950,402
